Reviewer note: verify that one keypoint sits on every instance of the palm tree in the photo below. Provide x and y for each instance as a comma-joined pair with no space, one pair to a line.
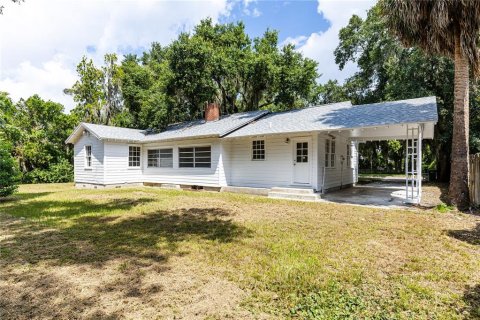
451,28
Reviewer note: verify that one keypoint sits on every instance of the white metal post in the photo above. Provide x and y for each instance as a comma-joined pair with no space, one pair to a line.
413,164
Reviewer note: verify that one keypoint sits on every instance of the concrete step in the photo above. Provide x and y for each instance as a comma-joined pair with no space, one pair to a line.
246,190
294,196
293,190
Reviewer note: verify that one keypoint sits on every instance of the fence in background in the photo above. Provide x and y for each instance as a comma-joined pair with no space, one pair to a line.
474,186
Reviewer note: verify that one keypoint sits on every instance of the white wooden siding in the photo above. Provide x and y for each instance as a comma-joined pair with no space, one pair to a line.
277,168
231,163
94,174
117,170
340,174
214,176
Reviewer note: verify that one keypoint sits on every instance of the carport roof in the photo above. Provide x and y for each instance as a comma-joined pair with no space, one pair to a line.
342,116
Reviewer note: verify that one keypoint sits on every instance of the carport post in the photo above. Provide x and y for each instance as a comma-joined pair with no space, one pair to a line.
413,164
419,162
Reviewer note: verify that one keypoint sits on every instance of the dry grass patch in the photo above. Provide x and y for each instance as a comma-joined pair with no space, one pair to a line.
150,253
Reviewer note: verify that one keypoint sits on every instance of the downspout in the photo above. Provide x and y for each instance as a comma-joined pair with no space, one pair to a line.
341,171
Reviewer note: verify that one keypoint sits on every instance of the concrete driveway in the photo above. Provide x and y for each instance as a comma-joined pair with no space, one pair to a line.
379,193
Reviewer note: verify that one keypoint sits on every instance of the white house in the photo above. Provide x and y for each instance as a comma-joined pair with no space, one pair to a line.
311,150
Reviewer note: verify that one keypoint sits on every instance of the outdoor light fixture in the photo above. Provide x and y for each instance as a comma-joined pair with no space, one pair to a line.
287,140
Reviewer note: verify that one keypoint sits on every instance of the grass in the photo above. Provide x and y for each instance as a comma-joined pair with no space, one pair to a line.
151,253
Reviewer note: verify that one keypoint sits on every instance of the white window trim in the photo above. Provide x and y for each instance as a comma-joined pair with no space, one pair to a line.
88,167
160,148
349,155
330,154
128,158
264,149
195,146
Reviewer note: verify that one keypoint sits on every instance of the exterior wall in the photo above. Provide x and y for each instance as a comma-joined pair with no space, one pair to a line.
93,175
117,170
277,168
214,176
341,174
231,165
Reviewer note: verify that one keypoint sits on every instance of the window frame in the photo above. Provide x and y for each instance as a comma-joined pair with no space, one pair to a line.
139,157
329,155
303,148
194,153
252,150
160,158
349,155
88,159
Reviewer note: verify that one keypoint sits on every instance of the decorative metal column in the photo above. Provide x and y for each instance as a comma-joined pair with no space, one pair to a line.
413,164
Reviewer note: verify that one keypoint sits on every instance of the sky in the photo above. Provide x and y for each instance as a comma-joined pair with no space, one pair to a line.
42,41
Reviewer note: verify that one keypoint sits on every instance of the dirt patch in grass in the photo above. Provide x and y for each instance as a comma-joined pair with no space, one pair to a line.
146,253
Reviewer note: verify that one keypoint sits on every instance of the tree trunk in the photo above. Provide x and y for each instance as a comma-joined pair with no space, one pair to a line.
459,175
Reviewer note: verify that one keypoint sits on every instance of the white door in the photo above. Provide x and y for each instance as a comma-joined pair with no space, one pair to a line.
301,161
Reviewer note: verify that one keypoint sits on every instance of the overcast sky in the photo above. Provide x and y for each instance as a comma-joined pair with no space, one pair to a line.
42,41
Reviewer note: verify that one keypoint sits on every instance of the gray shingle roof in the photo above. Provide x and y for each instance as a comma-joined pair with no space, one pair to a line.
185,130
201,128
114,133
343,115
333,116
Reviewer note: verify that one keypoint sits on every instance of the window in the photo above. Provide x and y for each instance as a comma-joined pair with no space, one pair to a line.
302,152
88,156
160,158
329,153
349,156
195,157
258,150
133,156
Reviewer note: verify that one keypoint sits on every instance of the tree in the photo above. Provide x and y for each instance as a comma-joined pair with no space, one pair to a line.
37,130
8,171
113,100
87,92
448,28
98,91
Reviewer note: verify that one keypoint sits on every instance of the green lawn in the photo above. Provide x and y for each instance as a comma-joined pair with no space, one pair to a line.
151,253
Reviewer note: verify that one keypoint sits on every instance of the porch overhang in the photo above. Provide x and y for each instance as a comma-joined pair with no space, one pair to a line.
385,132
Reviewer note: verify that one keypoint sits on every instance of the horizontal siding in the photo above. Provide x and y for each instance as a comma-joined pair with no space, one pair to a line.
188,176
117,170
341,174
95,173
275,171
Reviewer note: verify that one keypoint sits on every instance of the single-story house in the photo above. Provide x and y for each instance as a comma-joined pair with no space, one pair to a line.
310,150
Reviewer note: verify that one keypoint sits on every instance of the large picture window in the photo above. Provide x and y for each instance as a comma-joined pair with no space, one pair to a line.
160,158
88,156
258,150
195,157
133,156
329,153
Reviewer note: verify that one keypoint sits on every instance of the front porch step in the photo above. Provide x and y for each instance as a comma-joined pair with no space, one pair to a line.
294,196
293,190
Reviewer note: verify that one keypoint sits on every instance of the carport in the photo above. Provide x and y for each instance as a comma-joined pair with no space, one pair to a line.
381,122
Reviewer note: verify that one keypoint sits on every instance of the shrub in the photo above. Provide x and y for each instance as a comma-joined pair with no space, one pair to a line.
8,171
56,173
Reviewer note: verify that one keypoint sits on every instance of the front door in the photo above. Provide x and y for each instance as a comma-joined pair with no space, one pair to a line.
301,161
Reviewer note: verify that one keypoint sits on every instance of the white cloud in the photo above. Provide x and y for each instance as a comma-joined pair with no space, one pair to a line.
47,80
41,41
296,41
320,46
248,11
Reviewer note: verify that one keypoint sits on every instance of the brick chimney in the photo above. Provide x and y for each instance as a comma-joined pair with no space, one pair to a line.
212,112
